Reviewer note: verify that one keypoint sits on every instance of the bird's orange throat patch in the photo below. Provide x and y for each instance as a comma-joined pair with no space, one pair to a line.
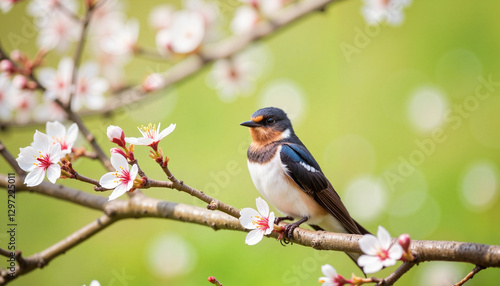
264,135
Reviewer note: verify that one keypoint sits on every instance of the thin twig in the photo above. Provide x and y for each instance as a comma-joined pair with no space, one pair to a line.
470,275
391,279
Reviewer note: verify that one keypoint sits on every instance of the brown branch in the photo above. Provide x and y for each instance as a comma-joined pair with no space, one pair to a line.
39,260
10,159
143,206
470,275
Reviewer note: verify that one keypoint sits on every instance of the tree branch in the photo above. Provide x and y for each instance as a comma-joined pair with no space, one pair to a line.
470,275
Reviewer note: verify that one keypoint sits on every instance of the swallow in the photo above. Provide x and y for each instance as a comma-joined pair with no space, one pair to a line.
287,175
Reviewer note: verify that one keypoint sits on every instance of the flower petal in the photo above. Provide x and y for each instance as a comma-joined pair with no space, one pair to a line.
41,142
270,224
118,162
35,177
165,131
384,237
55,129
369,244
328,271
72,134
119,190
246,218
25,158
108,181
396,251
133,172
53,173
139,141
370,264
254,237
262,206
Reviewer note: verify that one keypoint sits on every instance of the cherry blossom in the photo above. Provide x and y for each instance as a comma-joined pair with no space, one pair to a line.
153,82
208,10
245,18
164,42
24,102
116,135
57,83
48,110
260,221
56,28
40,158
6,5
58,135
122,180
122,39
331,277
188,30
161,16
376,11
379,252
151,135
89,88
231,77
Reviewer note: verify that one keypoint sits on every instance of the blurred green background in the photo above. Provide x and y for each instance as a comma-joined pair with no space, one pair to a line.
397,127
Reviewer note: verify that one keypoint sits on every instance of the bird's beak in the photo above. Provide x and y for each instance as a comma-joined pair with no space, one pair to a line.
250,124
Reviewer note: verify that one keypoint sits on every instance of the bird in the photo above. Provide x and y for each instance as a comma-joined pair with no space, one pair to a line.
286,174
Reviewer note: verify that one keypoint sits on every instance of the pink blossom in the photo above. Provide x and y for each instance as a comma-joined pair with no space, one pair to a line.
40,158
260,221
122,180
379,251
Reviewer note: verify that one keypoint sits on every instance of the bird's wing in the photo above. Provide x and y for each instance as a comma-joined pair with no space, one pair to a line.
306,173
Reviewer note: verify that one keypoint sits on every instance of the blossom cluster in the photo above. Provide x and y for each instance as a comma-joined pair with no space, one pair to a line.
379,251
43,156
48,155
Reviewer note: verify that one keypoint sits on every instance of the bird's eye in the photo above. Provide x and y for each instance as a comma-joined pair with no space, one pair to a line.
270,120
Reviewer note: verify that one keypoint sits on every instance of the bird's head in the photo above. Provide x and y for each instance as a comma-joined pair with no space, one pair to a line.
268,125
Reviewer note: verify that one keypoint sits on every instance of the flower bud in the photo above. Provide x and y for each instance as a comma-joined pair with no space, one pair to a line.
7,67
404,240
116,135
119,151
153,82
20,82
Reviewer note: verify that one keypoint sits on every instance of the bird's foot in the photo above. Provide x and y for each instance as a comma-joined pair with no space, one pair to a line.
289,228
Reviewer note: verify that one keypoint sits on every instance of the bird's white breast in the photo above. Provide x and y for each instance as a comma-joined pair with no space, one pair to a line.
276,187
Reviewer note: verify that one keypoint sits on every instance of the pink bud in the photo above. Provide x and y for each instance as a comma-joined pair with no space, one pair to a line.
153,82
16,55
119,151
116,135
404,240
20,81
7,66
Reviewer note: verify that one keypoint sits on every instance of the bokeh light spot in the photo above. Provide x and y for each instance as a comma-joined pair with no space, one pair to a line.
170,255
287,95
365,198
427,108
479,188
